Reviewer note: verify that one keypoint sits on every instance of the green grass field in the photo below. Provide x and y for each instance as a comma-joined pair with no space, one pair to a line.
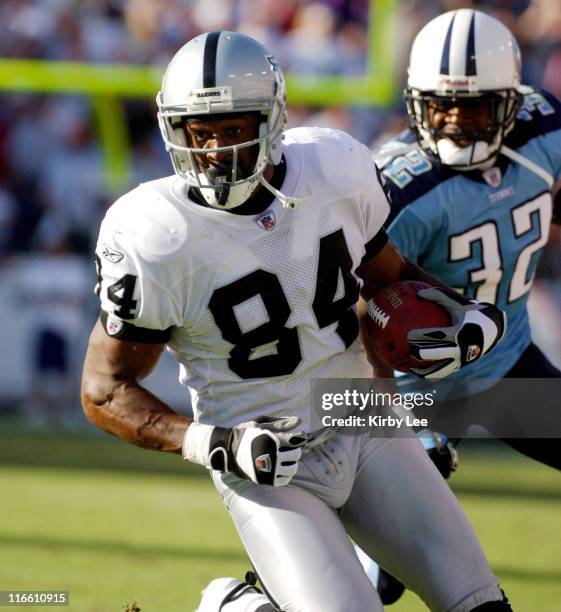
113,524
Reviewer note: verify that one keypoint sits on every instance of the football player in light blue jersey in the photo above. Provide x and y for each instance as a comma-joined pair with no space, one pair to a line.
473,190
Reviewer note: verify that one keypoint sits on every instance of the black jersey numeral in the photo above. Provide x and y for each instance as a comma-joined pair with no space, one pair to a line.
336,293
283,340
120,293
335,272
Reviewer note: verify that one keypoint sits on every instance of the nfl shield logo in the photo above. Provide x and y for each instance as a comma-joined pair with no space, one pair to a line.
493,176
266,220
114,326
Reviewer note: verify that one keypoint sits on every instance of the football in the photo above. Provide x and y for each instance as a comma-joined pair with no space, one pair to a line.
394,311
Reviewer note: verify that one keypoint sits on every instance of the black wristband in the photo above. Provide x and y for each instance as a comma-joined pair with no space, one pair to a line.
374,246
127,331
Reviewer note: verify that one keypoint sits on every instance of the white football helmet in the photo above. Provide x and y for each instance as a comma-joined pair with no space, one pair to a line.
464,57
213,74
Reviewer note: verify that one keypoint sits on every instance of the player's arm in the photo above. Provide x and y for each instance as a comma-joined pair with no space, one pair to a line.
388,265
114,400
440,450
476,327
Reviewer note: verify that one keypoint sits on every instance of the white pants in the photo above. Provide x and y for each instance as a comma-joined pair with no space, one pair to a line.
387,495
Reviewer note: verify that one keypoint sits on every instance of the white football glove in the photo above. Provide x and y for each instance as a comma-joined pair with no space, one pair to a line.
265,451
231,595
476,328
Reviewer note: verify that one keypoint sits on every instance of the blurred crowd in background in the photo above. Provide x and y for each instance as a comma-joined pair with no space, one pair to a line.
52,192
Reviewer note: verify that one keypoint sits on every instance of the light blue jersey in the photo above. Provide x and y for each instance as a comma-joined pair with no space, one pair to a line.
480,232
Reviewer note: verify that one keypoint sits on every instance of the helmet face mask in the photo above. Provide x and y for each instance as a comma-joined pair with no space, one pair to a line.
222,74
215,171
468,63
490,116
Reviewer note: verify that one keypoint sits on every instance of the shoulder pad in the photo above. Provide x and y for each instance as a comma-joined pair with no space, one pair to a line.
540,111
340,160
149,222
405,164
385,153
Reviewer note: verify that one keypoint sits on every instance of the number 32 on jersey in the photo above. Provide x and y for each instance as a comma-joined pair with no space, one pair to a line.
532,215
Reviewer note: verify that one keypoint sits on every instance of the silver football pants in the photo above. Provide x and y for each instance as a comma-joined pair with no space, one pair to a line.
387,495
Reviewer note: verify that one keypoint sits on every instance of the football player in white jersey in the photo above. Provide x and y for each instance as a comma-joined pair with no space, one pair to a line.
247,264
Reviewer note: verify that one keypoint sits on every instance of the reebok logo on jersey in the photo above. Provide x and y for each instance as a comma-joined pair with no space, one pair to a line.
111,254
266,220
263,463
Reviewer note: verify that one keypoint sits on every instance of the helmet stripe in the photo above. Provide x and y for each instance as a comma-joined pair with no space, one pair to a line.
445,60
471,66
209,59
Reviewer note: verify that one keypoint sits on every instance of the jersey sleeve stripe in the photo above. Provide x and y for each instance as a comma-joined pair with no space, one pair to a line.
374,246
127,331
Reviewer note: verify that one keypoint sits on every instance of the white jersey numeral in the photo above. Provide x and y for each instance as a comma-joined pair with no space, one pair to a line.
524,220
402,169
491,272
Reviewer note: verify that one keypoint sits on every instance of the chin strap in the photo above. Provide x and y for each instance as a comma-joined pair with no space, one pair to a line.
287,201
528,163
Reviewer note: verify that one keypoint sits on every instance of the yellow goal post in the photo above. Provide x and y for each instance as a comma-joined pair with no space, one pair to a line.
107,84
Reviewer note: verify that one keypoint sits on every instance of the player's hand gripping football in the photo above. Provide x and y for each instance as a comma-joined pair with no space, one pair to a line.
476,328
266,451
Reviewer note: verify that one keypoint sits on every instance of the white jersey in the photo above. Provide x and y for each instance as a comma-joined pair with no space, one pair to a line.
259,306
